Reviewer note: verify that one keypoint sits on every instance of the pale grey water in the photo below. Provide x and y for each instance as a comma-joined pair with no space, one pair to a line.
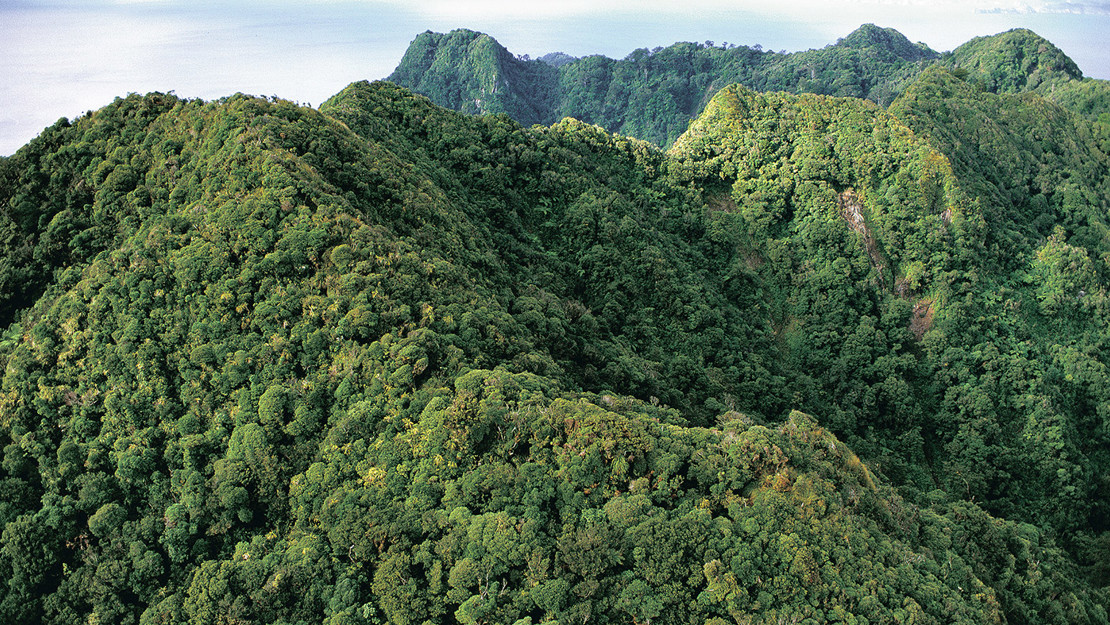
59,61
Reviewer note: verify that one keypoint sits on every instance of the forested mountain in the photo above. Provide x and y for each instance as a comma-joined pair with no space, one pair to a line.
1019,60
653,94
472,73
383,362
1014,61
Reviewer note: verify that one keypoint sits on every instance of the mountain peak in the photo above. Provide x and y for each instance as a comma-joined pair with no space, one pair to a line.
872,36
558,59
1016,60
470,71
654,94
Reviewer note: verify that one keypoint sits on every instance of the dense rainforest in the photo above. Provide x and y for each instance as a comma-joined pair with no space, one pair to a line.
825,360
653,94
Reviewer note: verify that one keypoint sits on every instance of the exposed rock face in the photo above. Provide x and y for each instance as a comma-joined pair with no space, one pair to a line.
852,210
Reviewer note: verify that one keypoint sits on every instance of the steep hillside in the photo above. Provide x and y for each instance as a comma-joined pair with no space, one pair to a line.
1091,99
1034,164
387,363
653,94
617,259
1019,61
841,198
472,73
649,94
1014,61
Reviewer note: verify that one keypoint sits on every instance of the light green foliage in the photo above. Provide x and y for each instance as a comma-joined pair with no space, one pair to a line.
385,363
650,94
654,94
1014,61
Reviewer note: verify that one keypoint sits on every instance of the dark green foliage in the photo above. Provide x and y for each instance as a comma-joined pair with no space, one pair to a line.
385,363
1013,62
1031,163
557,59
652,94
579,221
848,219
1091,99
70,196
472,73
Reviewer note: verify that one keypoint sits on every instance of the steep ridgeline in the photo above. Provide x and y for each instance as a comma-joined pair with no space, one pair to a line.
472,73
387,363
652,94
1020,60
1000,280
1034,164
1015,61
1040,306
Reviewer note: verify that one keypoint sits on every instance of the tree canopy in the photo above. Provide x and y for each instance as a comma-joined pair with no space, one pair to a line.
383,362
654,94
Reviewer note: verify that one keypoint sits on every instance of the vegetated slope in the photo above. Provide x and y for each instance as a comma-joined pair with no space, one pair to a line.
1003,320
388,363
848,217
1019,60
54,217
472,73
1091,99
1034,164
612,261
1015,61
1040,307
653,94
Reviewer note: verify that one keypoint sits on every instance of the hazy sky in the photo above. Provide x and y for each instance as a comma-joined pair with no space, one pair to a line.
59,59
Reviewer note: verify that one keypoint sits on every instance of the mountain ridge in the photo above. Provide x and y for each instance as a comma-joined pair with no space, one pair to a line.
383,362
1014,61
653,94
466,61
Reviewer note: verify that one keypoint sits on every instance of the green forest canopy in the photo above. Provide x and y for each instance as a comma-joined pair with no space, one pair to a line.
822,361
653,94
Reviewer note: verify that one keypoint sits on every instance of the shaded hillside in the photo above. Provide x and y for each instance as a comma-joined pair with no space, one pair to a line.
1034,164
842,200
582,222
387,363
653,94
1019,61
1014,61
1042,180
650,94
472,73
1091,99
